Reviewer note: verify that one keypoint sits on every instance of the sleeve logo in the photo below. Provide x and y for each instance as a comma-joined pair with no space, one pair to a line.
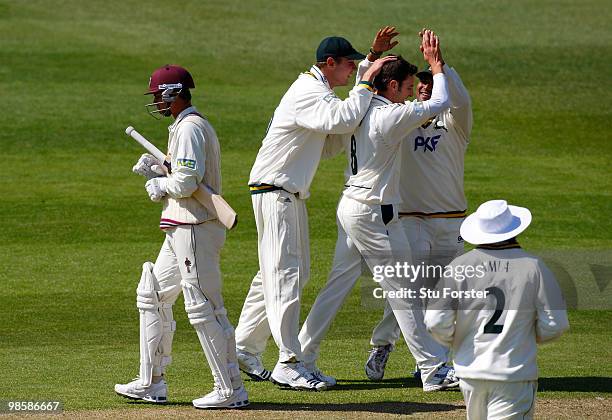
188,163
329,97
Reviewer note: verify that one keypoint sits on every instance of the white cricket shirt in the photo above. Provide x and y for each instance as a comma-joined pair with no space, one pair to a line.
193,148
495,338
374,152
308,112
433,156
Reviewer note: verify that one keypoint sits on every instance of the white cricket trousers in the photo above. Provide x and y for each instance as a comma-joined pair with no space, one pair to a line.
432,240
273,302
498,399
190,253
362,234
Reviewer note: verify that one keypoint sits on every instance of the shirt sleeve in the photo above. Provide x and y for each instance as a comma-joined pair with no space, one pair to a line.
441,325
319,109
399,119
188,164
363,66
551,319
441,314
461,104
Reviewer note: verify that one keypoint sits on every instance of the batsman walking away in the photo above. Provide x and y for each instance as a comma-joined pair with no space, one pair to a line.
189,257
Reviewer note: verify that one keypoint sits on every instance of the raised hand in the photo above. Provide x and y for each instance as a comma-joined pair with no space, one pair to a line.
430,47
383,41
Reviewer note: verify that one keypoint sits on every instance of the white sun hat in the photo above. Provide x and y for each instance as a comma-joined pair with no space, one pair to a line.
494,221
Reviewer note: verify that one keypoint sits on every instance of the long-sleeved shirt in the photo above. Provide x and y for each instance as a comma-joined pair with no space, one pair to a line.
433,156
194,152
374,158
494,337
308,112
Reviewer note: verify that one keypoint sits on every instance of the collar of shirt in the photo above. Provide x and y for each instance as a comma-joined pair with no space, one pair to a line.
382,99
179,117
318,74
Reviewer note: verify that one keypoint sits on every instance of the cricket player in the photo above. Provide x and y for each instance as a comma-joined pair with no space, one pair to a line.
279,183
367,216
433,203
493,315
189,257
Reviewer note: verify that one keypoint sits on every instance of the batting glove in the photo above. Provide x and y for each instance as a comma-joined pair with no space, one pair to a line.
156,188
148,166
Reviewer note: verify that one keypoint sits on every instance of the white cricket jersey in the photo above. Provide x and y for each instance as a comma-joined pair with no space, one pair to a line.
374,152
194,154
432,158
495,338
308,112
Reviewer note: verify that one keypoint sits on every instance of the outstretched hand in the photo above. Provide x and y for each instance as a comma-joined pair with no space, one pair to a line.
430,47
383,41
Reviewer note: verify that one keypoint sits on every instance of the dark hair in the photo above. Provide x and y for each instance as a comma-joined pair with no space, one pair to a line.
185,94
394,70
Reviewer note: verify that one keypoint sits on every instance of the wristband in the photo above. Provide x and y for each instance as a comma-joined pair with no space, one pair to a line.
378,54
368,85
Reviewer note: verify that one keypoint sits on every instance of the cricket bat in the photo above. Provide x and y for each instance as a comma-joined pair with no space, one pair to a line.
204,194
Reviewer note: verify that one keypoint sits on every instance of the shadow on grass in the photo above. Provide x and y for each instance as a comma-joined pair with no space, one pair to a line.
363,384
576,383
388,407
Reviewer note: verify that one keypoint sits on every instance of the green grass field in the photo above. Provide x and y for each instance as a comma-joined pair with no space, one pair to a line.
78,224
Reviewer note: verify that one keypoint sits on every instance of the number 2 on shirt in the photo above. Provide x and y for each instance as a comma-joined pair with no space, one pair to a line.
490,327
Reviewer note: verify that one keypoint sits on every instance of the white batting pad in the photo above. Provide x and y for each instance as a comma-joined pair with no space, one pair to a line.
211,334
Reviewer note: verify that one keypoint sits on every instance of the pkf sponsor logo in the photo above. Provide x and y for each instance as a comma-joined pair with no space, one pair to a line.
427,143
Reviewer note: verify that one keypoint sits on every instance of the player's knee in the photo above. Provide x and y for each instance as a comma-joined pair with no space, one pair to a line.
198,307
146,292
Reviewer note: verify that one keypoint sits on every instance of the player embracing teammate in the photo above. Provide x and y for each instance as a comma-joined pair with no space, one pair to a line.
432,208
403,202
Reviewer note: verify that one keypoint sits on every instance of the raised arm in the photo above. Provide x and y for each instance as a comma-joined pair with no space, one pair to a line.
461,104
403,118
383,42
320,110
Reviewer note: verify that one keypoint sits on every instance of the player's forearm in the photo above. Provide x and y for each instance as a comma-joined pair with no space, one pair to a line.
551,324
439,100
441,325
335,116
181,185
364,65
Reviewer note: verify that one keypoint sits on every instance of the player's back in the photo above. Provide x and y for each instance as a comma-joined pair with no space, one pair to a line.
495,337
373,161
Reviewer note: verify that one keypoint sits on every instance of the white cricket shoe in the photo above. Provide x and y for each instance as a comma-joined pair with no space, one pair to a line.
213,399
135,390
377,360
251,365
295,375
443,379
317,374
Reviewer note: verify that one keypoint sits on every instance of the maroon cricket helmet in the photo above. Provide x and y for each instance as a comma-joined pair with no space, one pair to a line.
169,76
